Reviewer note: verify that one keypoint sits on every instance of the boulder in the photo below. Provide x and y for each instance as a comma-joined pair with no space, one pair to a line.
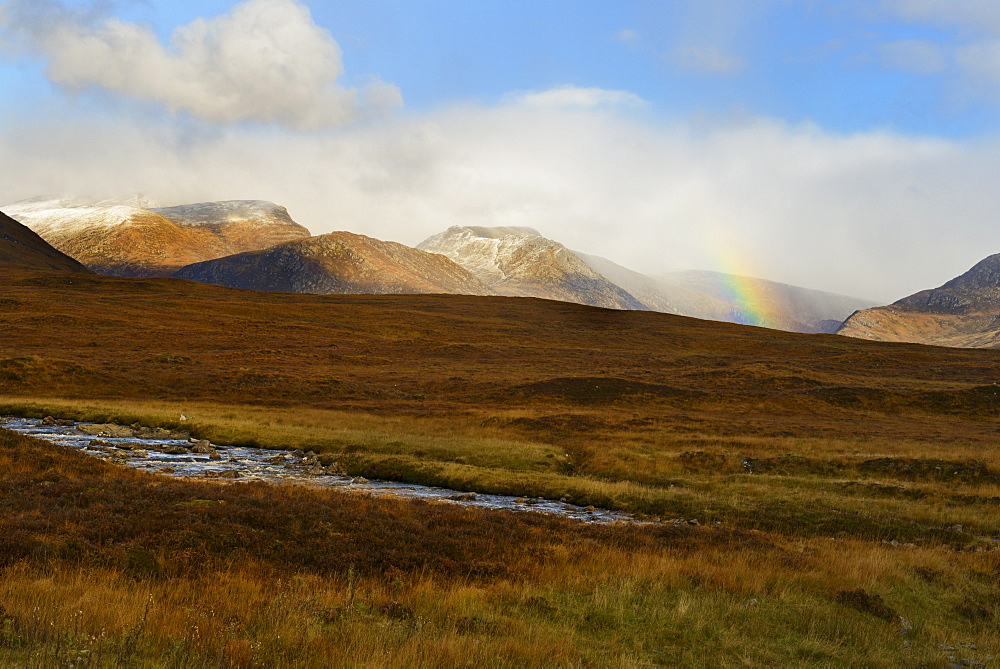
169,449
225,474
95,430
203,446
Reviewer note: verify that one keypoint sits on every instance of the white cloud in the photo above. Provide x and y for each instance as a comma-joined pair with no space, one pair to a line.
872,214
980,63
975,15
972,45
576,97
628,36
264,61
706,59
912,55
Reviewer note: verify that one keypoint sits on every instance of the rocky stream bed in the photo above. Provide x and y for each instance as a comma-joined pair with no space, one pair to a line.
177,454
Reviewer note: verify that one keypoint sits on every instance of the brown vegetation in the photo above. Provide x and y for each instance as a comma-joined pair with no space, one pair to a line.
846,491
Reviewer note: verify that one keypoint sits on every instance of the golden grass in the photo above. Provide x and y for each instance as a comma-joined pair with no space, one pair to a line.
713,606
828,476
814,498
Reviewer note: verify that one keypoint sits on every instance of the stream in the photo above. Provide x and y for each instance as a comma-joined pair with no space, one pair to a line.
173,454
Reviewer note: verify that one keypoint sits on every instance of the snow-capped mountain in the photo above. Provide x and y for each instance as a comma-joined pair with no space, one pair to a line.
128,239
520,262
339,262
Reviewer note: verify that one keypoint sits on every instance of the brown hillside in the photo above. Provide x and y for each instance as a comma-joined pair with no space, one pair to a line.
339,262
130,240
20,247
964,312
569,367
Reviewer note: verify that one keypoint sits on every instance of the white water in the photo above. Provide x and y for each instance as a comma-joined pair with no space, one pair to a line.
249,464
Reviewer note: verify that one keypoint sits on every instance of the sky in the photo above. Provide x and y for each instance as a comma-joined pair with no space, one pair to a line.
849,145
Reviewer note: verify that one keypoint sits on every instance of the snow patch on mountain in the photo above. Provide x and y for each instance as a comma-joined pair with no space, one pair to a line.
228,211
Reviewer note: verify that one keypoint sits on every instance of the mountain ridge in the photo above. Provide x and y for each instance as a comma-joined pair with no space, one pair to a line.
963,312
338,262
22,248
519,262
124,239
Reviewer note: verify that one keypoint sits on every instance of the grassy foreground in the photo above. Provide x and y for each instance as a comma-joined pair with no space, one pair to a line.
847,493
251,575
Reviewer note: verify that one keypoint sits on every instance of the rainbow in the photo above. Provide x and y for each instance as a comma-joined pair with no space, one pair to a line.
745,293
736,285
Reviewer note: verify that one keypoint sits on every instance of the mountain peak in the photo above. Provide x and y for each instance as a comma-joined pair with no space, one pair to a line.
495,232
519,262
112,237
963,312
226,211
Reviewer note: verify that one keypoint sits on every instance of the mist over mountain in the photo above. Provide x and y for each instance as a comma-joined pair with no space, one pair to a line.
21,248
659,295
338,262
964,312
770,303
128,239
520,261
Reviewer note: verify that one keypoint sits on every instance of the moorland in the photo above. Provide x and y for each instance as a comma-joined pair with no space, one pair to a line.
810,499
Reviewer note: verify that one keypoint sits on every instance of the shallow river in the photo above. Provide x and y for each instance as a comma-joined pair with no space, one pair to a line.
174,457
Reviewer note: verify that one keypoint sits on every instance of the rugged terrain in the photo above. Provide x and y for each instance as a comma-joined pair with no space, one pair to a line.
520,262
339,262
964,312
128,239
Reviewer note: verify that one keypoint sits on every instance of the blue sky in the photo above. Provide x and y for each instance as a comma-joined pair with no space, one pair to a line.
787,134
824,62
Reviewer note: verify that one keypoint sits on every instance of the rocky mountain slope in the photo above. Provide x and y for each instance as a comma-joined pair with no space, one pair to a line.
23,249
964,312
770,303
520,262
128,239
339,262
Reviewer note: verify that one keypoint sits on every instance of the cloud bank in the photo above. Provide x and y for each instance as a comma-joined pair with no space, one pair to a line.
874,214
264,61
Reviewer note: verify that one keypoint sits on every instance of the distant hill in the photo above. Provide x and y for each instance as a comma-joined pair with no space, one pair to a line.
126,239
339,262
23,249
964,312
769,303
256,244
520,262
659,295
